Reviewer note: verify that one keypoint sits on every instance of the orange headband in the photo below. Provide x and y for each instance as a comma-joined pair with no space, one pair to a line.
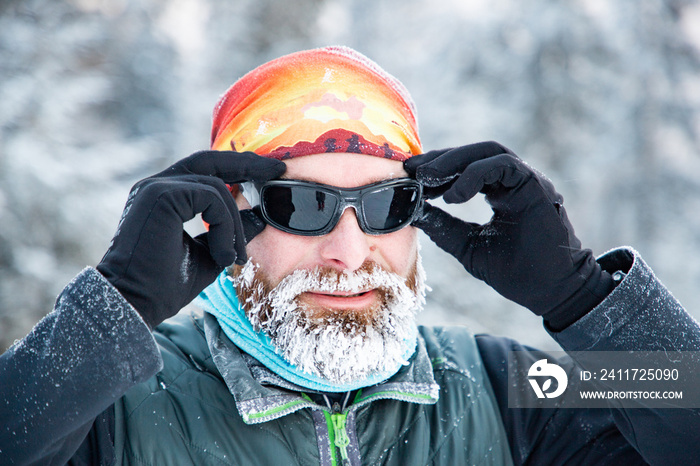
331,99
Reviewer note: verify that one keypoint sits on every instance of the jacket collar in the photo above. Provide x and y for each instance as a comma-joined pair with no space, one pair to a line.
261,395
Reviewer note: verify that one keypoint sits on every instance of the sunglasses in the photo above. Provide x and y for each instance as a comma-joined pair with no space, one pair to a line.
314,209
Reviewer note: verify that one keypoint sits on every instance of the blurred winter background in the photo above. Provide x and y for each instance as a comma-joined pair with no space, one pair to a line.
602,95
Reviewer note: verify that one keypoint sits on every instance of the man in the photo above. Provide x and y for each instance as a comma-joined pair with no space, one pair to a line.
307,351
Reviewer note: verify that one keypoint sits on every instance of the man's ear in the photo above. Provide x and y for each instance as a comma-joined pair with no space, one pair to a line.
237,194
234,189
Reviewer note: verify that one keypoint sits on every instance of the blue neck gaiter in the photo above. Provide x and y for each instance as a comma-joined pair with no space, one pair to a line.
220,300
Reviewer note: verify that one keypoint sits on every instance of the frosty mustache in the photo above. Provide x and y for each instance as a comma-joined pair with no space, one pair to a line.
265,303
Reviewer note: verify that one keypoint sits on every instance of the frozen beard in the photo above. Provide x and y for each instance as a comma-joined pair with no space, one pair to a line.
338,345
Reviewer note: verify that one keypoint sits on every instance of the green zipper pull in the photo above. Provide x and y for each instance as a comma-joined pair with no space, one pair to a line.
341,436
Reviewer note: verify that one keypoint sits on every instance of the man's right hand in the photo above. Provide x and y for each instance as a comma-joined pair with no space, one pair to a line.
153,262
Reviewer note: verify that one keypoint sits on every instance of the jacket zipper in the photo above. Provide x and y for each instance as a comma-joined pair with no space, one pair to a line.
341,436
336,417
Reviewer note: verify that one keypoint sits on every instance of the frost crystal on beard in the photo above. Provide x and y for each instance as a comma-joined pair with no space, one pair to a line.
340,347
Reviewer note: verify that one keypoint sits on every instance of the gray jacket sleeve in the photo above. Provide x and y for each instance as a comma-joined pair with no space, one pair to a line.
641,315
72,366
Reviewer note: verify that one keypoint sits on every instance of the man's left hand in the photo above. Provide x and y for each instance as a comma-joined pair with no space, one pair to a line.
528,251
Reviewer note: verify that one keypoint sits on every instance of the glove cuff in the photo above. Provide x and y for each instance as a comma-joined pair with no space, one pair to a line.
595,290
123,289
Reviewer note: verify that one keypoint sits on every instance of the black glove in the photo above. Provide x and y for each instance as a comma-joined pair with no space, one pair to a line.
528,251
152,261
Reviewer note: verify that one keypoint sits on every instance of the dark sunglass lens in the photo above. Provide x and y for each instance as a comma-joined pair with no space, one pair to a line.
390,208
299,208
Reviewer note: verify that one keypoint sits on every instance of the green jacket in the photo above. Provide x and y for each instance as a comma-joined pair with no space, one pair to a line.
212,404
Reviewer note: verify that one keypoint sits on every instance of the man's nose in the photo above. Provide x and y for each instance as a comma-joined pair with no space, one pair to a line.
346,247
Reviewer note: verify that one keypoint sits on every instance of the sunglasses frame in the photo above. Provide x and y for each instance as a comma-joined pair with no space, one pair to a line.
348,197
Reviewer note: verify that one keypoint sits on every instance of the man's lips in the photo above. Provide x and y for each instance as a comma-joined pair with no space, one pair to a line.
341,299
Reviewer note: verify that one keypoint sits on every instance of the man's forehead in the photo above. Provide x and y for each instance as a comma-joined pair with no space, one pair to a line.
343,169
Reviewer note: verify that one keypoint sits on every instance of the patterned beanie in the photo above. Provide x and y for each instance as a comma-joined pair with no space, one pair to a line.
331,99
